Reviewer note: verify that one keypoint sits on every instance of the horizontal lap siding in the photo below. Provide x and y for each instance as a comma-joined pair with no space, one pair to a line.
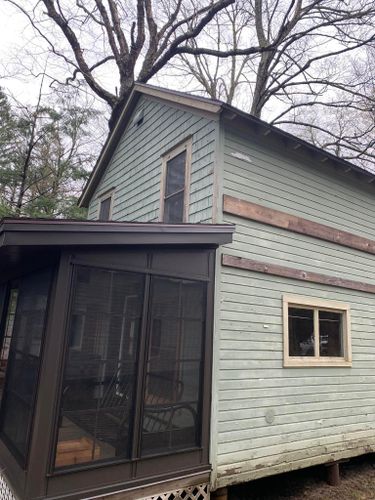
272,419
320,194
318,413
135,168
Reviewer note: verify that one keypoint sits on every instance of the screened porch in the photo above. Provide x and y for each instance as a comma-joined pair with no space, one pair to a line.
105,360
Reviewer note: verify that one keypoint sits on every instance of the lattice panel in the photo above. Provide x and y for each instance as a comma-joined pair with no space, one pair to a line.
199,492
5,492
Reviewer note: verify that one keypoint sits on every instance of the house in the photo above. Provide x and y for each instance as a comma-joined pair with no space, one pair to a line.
212,322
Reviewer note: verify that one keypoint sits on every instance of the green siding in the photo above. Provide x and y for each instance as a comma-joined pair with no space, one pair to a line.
135,168
318,414
297,185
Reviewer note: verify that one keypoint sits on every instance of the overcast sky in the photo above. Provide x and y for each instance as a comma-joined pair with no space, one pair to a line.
15,37
23,56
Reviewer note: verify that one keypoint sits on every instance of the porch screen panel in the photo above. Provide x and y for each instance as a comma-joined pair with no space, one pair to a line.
172,398
24,361
99,379
3,293
7,331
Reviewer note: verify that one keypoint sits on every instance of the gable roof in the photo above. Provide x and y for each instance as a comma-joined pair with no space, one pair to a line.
213,107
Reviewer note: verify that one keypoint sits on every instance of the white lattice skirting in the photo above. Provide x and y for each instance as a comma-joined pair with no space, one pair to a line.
199,492
5,492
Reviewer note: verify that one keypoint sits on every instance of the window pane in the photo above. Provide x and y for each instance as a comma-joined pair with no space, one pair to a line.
301,332
174,209
175,175
105,206
330,334
24,359
99,379
172,398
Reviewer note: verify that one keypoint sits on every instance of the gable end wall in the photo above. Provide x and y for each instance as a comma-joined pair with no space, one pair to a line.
134,170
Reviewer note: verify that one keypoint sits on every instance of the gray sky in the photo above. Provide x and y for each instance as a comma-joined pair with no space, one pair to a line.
15,37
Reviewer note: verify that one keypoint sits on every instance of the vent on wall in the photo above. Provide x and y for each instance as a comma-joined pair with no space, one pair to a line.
5,492
200,492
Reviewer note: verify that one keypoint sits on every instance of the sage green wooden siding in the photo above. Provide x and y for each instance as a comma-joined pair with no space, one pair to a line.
294,184
271,419
135,168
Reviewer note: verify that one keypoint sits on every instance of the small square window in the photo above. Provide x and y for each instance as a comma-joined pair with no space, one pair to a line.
316,332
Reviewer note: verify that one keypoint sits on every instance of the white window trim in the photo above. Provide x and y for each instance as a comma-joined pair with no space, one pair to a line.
107,194
316,303
186,145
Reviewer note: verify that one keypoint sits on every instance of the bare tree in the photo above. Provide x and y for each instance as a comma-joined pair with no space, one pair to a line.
303,77
219,77
133,39
344,125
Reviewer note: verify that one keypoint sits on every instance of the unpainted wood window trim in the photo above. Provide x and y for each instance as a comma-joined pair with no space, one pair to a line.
104,196
316,305
186,145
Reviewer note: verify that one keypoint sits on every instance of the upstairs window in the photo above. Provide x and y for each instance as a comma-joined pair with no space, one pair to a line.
176,177
316,332
105,207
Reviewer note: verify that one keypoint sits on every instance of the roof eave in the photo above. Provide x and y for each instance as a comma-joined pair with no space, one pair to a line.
296,143
49,233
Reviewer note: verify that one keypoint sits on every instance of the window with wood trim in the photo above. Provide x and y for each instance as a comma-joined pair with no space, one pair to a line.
105,207
316,332
132,384
176,182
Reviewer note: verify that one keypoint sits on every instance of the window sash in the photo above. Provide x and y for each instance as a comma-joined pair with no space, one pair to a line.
105,208
168,194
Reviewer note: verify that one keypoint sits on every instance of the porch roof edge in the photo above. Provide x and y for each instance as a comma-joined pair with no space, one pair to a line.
61,232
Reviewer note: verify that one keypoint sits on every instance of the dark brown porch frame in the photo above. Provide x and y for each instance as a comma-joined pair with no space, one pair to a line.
17,239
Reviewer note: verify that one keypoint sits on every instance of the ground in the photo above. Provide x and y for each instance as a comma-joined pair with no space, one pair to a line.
357,483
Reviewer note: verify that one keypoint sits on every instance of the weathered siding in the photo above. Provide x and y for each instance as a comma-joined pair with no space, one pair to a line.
269,418
297,186
135,168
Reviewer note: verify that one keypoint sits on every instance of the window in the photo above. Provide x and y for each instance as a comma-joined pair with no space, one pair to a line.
105,208
176,178
316,332
27,325
133,374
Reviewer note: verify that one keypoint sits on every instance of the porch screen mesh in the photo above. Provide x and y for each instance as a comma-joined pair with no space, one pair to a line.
98,387
105,376
23,361
171,418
